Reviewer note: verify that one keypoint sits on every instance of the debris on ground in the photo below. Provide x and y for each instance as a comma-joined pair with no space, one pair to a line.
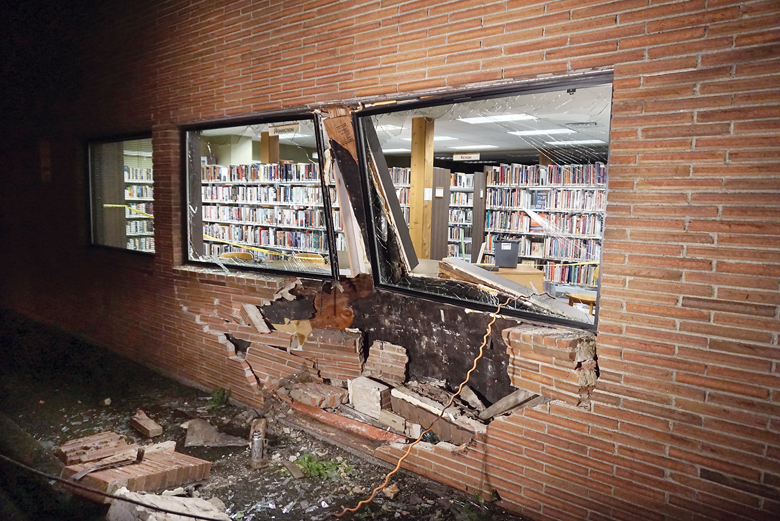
152,468
200,433
71,378
391,491
124,511
145,425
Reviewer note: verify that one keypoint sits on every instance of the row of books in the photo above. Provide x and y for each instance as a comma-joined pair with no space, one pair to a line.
268,216
462,198
140,207
139,226
519,221
403,194
573,200
460,216
571,248
461,180
139,191
564,248
268,172
553,175
401,176
580,274
140,243
458,233
456,249
138,174
262,194
310,240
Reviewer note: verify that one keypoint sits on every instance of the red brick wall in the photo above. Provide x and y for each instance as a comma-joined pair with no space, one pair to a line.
684,418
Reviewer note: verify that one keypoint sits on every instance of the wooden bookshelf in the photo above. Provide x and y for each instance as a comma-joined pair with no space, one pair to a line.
278,206
555,212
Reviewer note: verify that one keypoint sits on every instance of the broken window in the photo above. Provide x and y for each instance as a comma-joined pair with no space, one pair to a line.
493,196
122,194
256,198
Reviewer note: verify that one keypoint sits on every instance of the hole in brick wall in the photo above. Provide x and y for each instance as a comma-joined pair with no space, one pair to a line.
239,344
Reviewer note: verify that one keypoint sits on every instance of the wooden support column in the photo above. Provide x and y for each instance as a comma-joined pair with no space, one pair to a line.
421,190
269,148
544,158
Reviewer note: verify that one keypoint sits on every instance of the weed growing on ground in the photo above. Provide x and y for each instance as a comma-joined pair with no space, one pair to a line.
325,469
220,397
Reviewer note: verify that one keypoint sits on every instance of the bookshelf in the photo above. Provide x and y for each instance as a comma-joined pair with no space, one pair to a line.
402,178
139,201
554,212
461,215
274,205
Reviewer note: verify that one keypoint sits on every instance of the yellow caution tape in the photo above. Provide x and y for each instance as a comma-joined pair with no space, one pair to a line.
209,237
106,205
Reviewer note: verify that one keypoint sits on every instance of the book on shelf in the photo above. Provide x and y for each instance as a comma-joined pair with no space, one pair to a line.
276,205
555,212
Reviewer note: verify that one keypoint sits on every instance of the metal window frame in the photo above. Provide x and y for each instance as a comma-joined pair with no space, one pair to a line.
88,142
416,102
258,119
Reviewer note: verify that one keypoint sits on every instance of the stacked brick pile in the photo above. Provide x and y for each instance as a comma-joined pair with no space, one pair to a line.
335,354
270,364
319,395
386,362
556,363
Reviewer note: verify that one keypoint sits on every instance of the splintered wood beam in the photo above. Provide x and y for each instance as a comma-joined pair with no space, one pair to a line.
421,188
269,148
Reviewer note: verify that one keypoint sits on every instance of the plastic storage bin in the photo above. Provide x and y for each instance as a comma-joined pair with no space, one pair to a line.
506,253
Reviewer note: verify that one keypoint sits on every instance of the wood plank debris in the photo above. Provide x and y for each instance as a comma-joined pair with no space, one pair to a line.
506,403
293,468
145,425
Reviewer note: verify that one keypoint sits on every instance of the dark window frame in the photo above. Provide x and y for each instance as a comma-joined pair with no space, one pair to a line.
258,119
466,95
87,143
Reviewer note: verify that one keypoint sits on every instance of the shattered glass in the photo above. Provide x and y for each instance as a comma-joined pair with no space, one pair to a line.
523,193
256,198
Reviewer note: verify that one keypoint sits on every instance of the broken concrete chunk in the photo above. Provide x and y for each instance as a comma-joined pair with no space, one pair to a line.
124,511
413,430
471,398
145,425
392,420
201,433
391,491
369,396
506,403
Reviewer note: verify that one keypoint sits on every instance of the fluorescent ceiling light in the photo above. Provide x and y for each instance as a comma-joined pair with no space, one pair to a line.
385,128
473,147
497,119
435,138
137,153
396,150
542,132
579,142
293,136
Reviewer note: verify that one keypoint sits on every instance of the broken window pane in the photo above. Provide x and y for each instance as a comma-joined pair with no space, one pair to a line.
492,198
255,198
122,194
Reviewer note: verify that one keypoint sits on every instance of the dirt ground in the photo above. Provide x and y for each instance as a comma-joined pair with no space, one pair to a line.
53,387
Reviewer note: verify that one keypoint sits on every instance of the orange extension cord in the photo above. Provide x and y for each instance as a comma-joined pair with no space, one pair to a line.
452,399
